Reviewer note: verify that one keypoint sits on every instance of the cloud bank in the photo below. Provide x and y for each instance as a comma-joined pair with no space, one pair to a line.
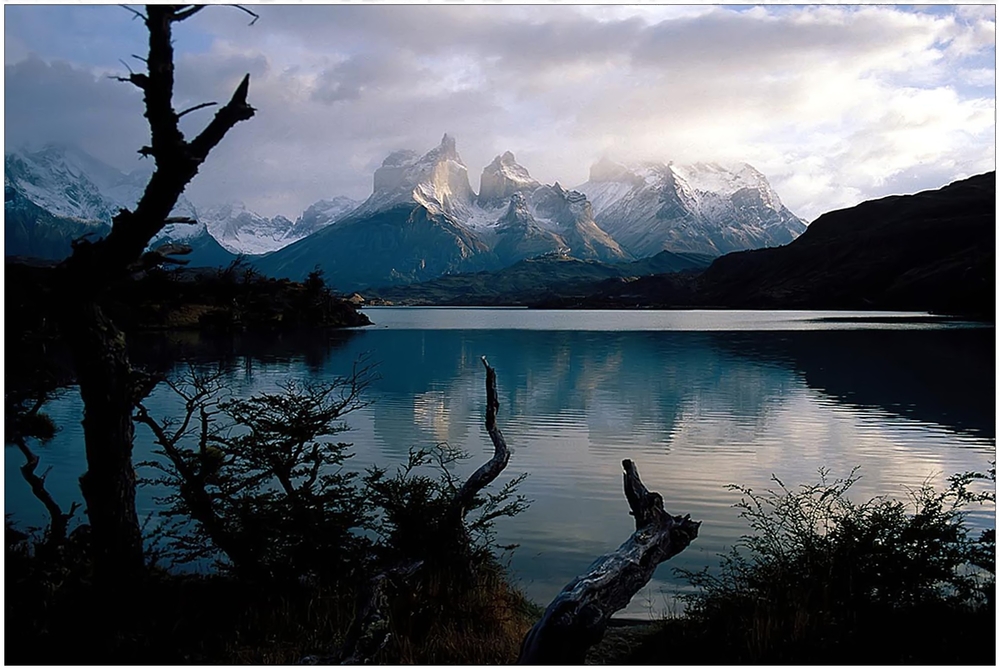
835,104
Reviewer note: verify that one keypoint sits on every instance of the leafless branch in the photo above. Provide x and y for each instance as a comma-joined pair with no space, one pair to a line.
490,470
180,219
370,631
255,16
58,520
137,13
196,107
233,112
137,79
181,14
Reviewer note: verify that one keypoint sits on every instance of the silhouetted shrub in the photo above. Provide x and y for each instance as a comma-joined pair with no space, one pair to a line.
820,578
259,481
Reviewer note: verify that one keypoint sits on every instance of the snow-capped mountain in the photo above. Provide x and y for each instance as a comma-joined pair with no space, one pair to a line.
501,179
320,215
68,182
423,218
242,231
65,182
54,195
60,192
438,181
520,218
704,207
408,230
512,218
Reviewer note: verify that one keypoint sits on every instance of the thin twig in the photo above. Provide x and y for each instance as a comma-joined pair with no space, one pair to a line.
182,14
134,11
196,107
255,16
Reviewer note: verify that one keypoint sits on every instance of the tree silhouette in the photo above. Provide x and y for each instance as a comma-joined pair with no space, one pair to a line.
109,386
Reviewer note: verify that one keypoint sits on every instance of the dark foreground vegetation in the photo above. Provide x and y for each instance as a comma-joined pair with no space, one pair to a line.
232,299
820,579
322,566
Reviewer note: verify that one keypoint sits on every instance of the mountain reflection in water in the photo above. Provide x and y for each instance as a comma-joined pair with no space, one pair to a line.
696,411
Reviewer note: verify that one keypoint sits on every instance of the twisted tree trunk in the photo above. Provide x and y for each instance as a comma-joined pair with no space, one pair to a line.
107,383
577,618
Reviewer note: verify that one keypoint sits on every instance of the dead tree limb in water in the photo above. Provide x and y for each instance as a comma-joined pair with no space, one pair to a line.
492,468
370,631
577,617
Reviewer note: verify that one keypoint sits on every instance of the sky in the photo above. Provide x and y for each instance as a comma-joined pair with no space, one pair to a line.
835,104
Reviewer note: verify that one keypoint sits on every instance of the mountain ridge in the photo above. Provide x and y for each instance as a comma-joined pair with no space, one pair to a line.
701,207
513,217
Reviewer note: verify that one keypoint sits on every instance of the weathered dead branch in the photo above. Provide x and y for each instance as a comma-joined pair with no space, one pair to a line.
370,632
577,618
492,468
59,520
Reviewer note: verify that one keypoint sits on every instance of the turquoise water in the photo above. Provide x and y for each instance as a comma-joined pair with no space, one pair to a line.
698,400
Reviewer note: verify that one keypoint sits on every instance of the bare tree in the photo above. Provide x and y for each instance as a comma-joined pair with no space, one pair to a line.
108,385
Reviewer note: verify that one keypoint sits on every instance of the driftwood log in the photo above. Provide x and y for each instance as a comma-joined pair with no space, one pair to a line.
577,617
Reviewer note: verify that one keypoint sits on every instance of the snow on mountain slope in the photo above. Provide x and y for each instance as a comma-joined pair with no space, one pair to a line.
621,212
319,215
525,218
71,184
55,180
438,180
242,231
703,208
501,179
68,182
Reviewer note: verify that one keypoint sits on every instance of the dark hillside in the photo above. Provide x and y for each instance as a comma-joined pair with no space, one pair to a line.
401,245
34,232
552,279
928,251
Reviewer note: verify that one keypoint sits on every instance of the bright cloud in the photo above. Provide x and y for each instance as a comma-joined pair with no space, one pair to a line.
836,104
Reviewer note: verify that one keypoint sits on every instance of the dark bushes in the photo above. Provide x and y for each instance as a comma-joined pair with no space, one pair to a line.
822,579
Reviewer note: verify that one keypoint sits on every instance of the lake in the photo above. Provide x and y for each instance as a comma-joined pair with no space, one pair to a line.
698,399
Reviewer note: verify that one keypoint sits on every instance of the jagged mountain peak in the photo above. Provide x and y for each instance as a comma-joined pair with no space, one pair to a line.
401,158
438,180
447,148
503,178
517,209
705,207
67,181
